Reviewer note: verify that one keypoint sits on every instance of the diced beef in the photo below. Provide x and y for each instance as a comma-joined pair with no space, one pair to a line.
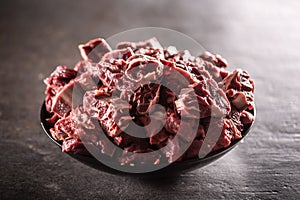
94,50
203,107
210,99
151,43
62,102
55,83
118,54
144,98
239,89
74,145
215,59
64,128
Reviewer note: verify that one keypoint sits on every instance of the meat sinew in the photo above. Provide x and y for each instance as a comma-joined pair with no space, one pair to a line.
119,89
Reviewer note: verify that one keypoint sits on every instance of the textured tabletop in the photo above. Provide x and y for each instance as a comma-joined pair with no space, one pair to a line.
262,37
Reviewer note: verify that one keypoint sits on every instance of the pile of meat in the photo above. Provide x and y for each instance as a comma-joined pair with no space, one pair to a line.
117,89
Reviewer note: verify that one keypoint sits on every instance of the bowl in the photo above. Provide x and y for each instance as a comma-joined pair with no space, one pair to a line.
173,169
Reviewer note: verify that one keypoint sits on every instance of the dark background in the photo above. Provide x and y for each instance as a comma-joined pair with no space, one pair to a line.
262,37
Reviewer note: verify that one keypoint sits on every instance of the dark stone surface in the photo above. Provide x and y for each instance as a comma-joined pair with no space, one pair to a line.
259,36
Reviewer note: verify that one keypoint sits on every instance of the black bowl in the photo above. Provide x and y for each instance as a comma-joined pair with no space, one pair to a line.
170,170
